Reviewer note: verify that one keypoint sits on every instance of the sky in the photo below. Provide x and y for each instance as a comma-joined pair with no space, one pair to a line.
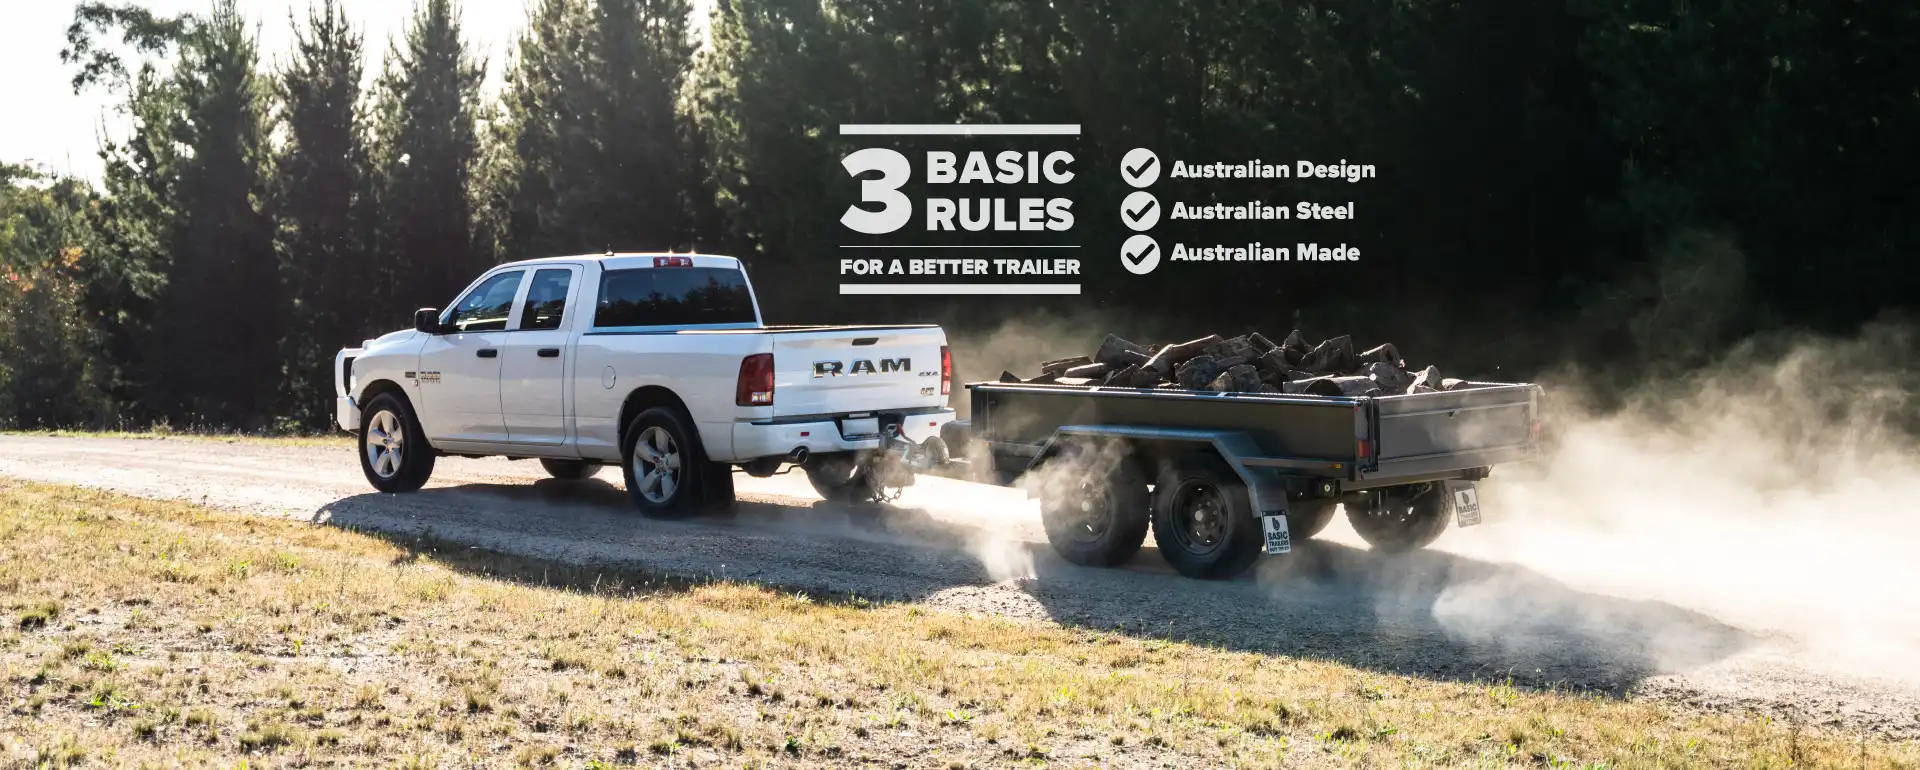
61,131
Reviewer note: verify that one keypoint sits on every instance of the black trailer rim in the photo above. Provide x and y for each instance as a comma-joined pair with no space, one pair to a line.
1091,514
1199,517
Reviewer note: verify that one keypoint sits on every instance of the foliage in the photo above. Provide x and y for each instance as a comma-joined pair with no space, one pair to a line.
1628,183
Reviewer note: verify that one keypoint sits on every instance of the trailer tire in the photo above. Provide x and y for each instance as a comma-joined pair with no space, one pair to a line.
838,478
1202,519
571,470
664,479
1306,518
1400,519
1104,522
394,452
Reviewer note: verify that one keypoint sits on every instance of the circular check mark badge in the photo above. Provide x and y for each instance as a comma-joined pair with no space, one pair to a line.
1140,167
1140,254
1140,211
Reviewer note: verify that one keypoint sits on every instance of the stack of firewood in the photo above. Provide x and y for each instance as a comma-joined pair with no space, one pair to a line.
1249,363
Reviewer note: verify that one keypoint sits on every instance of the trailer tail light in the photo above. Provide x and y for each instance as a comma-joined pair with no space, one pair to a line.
673,261
1533,431
946,370
1366,448
755,387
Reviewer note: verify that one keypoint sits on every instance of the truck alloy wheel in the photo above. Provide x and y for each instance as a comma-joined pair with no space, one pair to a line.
656,463
394,453
663,465
386,444
1099,521
1400,519
1203,520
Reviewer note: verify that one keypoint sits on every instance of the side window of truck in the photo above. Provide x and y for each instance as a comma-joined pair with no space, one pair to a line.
546,301
485,309
673,296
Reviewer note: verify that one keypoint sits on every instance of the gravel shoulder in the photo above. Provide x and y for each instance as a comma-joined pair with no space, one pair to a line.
1459,612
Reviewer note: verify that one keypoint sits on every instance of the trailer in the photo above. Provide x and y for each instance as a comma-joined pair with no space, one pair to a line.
1221,477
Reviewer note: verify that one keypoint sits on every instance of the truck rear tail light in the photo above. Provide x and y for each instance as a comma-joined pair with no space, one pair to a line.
755,387
946,370
673,261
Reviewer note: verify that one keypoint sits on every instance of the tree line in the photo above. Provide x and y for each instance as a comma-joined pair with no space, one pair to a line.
1624,183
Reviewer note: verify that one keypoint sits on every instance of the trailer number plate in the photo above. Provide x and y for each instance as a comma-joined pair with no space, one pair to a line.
1465,501
1279,540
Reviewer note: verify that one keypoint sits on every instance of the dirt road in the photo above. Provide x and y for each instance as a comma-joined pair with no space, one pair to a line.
1477,607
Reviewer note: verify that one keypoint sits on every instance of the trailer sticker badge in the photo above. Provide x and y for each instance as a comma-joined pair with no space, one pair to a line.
1279,540
1466,502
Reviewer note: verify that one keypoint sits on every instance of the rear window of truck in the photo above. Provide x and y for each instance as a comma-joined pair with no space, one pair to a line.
673,296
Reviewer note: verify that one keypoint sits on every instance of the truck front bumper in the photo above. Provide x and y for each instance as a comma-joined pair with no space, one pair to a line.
346,414
752,441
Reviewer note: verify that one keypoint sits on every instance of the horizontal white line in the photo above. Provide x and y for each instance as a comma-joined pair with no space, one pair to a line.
959,129
959,288
998,246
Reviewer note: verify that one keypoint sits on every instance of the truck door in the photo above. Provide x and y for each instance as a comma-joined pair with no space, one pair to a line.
534,361
459,372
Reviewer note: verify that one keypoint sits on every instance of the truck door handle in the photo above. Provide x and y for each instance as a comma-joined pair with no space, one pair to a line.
549,353
487,353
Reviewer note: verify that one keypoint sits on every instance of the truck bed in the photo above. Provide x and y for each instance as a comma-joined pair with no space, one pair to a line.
1361,442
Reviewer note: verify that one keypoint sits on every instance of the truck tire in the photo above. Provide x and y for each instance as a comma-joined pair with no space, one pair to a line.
1101,523
663,464
571,470
1202,519
394,453
1306,518
1399,519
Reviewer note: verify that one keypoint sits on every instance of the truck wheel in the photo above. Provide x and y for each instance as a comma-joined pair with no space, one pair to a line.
394,453
663,466
1400,519
571,470
1306,518
1103,521
1202,519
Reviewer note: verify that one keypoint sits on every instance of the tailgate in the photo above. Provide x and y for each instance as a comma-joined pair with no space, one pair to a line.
857,369
1453,430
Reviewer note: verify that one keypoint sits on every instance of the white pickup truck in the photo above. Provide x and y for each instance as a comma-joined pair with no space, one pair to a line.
658,362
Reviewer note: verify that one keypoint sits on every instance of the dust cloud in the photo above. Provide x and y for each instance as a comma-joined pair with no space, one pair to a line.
1778,492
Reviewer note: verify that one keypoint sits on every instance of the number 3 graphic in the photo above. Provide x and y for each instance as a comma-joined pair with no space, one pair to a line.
894,171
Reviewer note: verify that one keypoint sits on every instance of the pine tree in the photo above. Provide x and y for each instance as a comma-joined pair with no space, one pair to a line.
593,147
323,206
215,348
425,151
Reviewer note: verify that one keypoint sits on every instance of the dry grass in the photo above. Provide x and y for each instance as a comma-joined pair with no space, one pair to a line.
148,633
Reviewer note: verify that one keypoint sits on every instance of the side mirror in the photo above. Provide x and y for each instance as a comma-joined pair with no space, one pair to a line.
427,319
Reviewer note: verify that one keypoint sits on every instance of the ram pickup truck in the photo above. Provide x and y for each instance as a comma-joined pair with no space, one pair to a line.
657,362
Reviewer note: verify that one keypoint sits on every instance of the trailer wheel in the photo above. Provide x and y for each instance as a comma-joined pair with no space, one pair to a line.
571,470
1400,519
1202,519
1101,523
1306,518
839,478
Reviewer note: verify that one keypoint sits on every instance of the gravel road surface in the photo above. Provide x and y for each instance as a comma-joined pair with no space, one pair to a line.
1481,605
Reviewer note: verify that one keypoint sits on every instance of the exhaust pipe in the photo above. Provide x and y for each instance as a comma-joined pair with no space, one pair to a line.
798,456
